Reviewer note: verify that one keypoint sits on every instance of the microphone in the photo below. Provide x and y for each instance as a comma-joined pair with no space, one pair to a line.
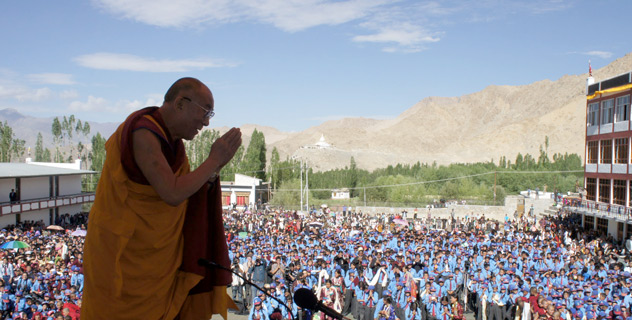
212,264
306,299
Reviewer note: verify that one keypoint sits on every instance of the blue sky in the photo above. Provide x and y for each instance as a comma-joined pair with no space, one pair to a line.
292,64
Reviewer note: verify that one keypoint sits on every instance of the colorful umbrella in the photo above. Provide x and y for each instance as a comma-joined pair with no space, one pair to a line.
14,245
401,221
243,235
54,227
78,233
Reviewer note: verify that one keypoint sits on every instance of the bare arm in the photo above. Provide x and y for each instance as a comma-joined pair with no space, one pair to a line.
171,188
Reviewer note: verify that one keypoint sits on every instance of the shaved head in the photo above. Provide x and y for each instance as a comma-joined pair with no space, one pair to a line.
183,84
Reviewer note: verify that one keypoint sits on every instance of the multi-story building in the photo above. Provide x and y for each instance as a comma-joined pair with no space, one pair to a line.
608,166
44,191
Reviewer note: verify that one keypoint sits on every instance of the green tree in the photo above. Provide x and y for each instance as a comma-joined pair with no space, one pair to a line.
353,177
39,148
273,168
233,166
10,146
254,162
97,154
199,148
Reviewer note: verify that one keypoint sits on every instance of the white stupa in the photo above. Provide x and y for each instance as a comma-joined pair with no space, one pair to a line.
322,144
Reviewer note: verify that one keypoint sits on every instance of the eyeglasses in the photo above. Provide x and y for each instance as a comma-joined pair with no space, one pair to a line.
209,112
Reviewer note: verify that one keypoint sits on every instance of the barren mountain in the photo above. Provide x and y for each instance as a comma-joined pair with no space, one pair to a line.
497,121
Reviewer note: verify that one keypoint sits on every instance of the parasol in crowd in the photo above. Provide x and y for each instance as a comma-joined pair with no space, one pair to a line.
78,233
401,221
14,245
243,235
54,227
315,224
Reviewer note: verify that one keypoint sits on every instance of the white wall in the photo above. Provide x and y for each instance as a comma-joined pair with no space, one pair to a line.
33,188
5,188
612,228
72,209
36,215
69,185
7,220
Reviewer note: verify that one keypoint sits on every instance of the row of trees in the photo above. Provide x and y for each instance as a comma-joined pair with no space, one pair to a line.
249,161
408,184
405,184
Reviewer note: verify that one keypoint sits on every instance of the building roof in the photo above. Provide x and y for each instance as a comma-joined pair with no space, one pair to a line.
23,170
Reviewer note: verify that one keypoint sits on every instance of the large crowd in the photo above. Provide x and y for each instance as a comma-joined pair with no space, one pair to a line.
44,280
386,267
389,266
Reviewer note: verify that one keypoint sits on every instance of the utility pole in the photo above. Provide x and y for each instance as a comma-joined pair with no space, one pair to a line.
307,185
495,173
364,196
301,185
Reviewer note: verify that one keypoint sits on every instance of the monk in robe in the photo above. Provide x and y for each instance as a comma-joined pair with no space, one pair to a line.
135,242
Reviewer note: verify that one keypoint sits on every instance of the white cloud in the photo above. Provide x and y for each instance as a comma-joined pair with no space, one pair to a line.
51,78
34,95
117,61
92,104
399,25
298,15
600,54
288,15
69,94
99,104
409,38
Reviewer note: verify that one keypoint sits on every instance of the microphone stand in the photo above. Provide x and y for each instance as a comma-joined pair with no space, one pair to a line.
210,264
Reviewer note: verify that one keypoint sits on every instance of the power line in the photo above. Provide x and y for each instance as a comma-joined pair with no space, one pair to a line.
438,180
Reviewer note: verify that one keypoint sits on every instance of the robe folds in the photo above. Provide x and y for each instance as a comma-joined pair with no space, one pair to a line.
140,254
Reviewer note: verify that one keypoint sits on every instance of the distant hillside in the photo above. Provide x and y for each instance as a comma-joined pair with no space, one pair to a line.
497,121
27,127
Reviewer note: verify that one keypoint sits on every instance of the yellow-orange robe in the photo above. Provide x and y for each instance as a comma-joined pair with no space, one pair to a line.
134,246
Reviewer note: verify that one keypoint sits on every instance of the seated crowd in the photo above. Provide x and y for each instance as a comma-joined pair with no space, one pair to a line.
383,268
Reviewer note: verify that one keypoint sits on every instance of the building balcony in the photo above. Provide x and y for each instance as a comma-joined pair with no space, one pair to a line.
602,210
28,205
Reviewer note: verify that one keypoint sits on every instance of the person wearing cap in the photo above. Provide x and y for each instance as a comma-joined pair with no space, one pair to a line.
77,278
258,312
386,311
7,306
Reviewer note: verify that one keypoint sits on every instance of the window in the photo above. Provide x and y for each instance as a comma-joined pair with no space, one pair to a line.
606,151
604,190
621,150
593,148
602,225
242,200
622,112
593,114
618,192
591,188
589,223
607,111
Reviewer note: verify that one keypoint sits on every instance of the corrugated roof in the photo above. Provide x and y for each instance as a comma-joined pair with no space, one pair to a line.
19,170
